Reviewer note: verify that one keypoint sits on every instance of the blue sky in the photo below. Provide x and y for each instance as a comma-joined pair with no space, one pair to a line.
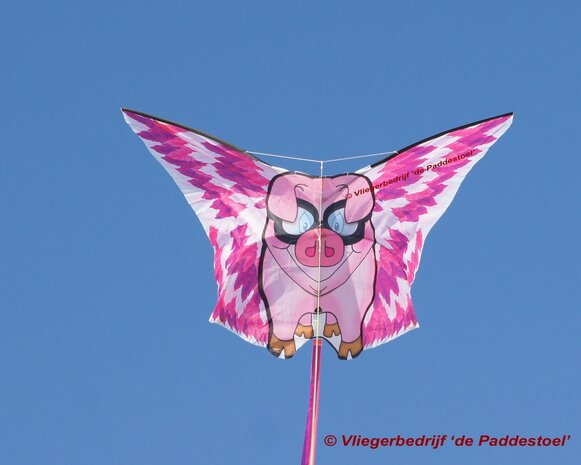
106,355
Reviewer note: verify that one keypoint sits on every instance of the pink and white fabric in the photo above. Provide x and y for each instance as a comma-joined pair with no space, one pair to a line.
299,256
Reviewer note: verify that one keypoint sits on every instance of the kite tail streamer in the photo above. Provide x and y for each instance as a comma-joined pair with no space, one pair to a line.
310,443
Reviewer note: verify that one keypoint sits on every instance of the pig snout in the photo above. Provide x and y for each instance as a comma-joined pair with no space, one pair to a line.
331,244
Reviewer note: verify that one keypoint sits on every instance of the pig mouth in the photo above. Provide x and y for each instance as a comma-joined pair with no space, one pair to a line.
300,267
322,287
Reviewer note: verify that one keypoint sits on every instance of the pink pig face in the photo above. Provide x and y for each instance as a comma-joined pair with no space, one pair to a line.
297,204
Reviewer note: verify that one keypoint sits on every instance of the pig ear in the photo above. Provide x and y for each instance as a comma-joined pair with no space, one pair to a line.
282,200
358,206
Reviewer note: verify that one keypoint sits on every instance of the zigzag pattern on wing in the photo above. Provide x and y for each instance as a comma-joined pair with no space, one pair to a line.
227,190
412,191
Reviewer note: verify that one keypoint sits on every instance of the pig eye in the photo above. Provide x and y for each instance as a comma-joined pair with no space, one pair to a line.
302,224
337,223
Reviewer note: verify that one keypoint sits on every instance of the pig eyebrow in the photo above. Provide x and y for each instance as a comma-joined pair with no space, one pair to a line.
301,186
333,207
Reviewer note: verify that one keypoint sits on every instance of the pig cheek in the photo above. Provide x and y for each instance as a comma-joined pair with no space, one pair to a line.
363,246
272,241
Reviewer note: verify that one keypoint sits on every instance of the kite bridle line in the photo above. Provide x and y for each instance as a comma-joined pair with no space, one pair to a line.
312,160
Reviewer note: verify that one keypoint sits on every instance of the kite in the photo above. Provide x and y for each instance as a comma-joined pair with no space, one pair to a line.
301,257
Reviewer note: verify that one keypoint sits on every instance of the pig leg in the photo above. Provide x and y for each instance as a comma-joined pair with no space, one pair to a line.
349,310
285,324
277,346
305,331
345,319
354,348
351,341
331,326
349,303
280,290
282,336
305,327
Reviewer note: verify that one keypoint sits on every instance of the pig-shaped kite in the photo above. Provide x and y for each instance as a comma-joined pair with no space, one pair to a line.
299,256
338,276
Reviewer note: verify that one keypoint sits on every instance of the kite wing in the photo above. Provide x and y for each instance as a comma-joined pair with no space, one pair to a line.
227,188
412,191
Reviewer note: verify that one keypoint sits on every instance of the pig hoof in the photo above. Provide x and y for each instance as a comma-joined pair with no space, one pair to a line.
354,347
304,331
332,330
277,346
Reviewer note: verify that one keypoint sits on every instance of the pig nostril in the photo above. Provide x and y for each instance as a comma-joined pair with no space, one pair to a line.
329,251
310,251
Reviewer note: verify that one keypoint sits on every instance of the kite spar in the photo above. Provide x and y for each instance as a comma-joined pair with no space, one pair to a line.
300,257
